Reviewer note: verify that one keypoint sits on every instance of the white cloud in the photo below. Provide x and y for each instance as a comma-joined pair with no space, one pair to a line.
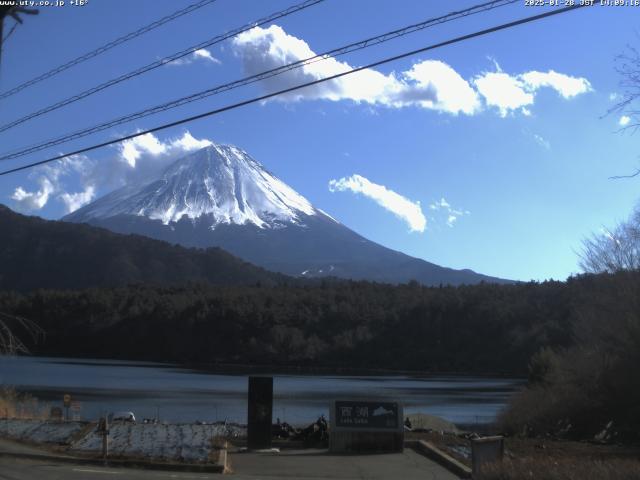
452,92
566,85
614,97
624,120
143,157
401,207
540,140
206,55
264,49
429,84
202,54
73,201
137,160
510,93
451,213
442,203
188,143
133,149
503,91
29,201
49,177
496,65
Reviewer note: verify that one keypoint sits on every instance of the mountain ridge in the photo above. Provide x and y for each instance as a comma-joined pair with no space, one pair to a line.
220,196
37,253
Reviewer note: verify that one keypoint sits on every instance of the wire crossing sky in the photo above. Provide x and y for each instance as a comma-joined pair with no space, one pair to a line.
104,48
159,63
367,43
298,87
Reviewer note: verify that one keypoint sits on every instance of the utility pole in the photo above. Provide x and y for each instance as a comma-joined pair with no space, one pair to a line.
13,12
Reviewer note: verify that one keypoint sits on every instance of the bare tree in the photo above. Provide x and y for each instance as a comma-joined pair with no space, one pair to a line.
613,250
10,342
619,249
628,67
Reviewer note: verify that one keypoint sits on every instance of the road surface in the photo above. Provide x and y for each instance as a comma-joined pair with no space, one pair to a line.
289,464
24,469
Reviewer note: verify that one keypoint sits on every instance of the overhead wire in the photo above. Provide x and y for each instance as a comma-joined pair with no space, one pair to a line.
262,98
159,63
359,45
104,48
10,32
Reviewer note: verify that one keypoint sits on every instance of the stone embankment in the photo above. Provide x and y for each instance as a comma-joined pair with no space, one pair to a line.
191,443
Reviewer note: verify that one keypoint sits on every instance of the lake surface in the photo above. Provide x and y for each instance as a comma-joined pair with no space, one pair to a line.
185,395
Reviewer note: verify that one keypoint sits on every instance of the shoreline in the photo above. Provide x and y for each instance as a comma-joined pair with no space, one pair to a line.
273,369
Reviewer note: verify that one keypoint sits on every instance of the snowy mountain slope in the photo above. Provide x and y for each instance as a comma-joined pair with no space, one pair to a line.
221,181
220,196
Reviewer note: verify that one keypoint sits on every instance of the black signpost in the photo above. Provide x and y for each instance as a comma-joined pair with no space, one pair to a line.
259,414
66,401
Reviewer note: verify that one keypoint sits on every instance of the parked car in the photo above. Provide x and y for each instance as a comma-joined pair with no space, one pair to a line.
121,417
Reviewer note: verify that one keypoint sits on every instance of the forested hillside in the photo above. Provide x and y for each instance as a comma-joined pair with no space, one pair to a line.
483,328
36,253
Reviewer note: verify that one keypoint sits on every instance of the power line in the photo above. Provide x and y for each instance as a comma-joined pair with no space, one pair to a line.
262,98
362,44
106,47
10,32
160,63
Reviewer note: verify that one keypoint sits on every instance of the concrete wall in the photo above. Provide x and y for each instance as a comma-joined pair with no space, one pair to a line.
364,442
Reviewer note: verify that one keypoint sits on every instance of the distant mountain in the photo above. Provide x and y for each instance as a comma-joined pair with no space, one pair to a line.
36,253
220,196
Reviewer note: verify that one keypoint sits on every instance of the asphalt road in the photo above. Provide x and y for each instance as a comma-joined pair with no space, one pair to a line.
289,464
407,466
23,469
321,465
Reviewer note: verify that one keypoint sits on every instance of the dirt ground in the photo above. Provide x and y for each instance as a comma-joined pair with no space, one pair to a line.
551,458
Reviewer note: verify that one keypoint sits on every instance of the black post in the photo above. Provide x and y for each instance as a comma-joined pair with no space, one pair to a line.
13,11
103,428
260,411
1,35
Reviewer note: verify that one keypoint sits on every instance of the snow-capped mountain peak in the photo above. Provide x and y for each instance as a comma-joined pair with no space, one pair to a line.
235,204
220,181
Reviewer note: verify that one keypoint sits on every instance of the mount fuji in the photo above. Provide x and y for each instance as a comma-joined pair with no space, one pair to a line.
220,196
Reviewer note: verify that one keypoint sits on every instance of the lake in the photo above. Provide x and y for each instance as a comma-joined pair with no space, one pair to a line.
184,395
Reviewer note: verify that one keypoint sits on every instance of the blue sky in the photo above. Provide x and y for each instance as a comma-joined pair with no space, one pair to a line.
470,156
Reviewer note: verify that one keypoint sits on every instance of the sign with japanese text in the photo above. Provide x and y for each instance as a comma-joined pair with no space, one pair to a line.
356,414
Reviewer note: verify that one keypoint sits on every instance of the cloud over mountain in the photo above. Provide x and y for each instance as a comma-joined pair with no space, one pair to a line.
133,160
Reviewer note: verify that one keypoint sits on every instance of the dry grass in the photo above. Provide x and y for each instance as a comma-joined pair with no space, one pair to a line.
21,405
563,469
546,459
